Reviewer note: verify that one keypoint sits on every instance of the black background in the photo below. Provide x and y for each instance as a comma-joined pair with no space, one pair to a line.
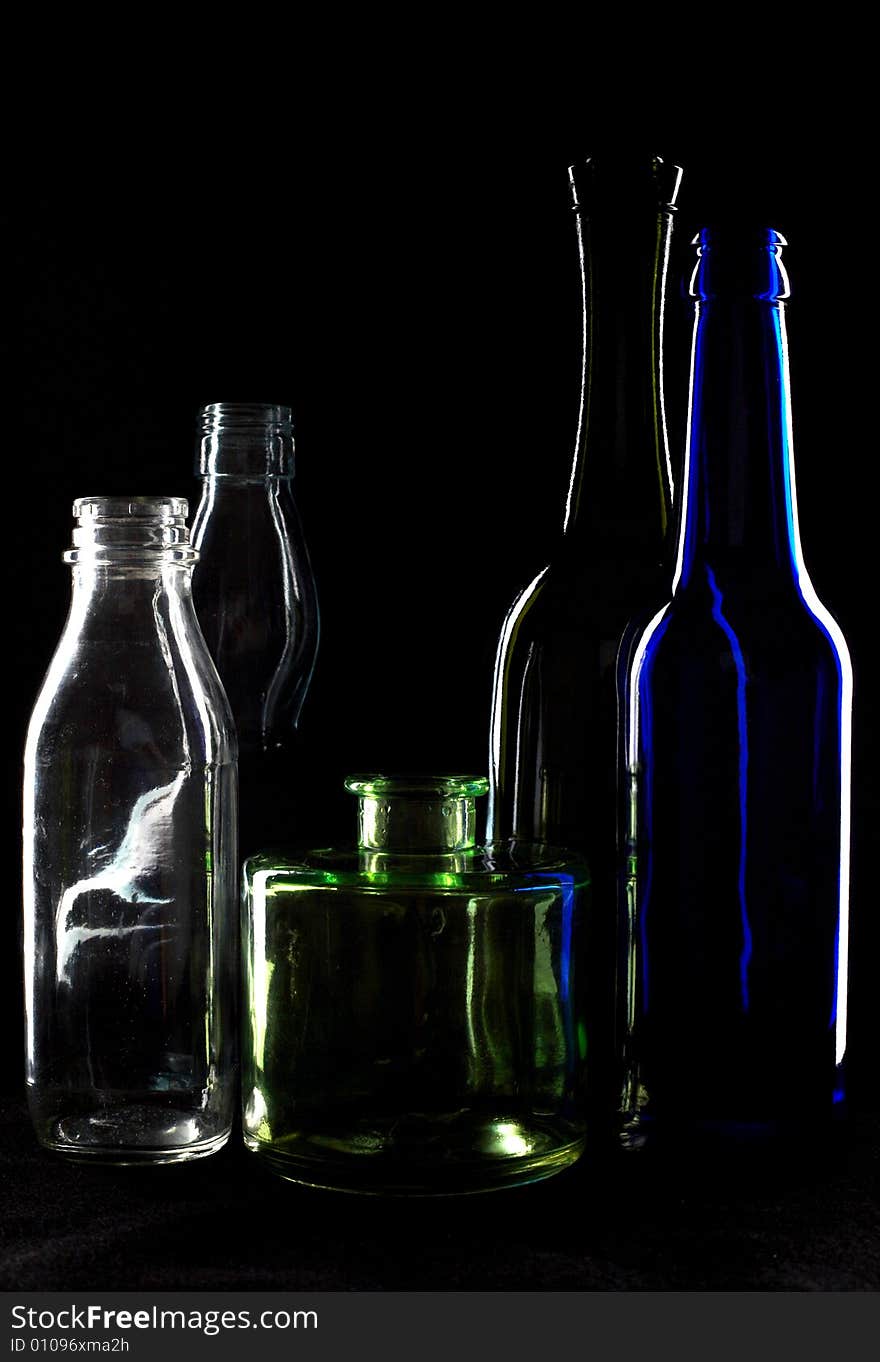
407,281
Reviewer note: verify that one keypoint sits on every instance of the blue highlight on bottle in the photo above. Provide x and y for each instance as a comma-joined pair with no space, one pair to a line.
739,662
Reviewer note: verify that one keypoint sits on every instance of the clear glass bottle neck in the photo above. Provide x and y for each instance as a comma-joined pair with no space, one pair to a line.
243,442
143,534
126,550
215,485
144,575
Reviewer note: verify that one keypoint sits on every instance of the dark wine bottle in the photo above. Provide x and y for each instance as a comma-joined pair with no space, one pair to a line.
741,693
557,736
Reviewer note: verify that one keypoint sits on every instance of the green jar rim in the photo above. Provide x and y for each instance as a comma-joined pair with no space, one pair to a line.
417,785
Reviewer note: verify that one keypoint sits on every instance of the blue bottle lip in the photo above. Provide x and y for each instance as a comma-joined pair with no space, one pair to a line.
738,236
738,261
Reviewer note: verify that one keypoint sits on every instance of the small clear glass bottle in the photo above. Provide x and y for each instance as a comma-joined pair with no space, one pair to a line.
130,860
414,1007
256,601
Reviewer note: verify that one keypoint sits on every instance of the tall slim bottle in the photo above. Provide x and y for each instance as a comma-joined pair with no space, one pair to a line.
256,601
741,693
557,743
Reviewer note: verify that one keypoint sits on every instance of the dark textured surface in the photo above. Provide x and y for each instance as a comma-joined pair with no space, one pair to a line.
797,1221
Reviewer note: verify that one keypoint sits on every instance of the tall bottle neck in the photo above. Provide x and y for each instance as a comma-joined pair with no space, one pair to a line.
621,485
740,515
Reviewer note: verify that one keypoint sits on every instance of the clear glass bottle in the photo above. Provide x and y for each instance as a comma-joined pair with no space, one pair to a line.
130,862
741,692
557,749
256,599
414,1006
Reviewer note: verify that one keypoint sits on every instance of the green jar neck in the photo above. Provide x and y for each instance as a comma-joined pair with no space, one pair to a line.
403,825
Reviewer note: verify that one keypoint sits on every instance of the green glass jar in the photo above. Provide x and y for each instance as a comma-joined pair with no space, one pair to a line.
414,1013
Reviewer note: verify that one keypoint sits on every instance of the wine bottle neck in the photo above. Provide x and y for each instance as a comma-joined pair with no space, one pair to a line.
621,484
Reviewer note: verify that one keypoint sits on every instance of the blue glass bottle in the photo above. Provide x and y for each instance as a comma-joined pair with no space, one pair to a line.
739,721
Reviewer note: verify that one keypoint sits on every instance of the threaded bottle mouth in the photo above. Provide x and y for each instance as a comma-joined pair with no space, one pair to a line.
245,440
127,529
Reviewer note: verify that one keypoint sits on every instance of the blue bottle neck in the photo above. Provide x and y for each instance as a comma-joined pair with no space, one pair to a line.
739,517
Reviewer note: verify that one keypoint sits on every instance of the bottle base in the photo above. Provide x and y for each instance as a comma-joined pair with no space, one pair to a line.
369,1160
133,1136
771,1134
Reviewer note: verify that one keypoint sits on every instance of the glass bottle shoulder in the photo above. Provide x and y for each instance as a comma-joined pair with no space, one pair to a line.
140,689
501,867
580,569
574,589
773,616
